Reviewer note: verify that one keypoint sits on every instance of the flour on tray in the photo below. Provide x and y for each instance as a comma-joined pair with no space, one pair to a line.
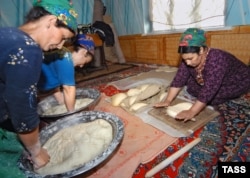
60,109
73,146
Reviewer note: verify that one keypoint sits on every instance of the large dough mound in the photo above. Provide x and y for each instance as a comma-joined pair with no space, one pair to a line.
73,146
172,111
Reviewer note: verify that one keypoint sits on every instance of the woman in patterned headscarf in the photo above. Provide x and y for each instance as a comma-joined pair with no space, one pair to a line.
212,76
48,25
58,72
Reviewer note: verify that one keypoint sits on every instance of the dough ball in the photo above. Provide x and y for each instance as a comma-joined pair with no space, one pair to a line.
133,92
150,91
118,98
137,106
143,87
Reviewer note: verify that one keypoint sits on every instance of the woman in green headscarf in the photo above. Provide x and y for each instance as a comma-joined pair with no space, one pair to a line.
48,25
212,76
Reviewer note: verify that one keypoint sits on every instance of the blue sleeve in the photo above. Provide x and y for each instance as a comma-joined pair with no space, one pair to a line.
22,71
65,71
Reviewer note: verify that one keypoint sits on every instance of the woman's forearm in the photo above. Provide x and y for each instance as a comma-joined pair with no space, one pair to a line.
172,93
197,107
69,93
31,141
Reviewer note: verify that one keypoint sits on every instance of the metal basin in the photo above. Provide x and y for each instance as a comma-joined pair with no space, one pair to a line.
81,117
50,101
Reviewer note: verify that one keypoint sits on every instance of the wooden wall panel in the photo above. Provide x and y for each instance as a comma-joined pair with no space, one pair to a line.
149,49
237,44
172,57
128,48
162,49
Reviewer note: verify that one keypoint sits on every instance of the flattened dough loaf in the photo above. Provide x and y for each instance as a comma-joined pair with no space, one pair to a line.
73,146
172,111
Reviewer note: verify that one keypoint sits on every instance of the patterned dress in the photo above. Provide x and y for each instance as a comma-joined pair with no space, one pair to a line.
20,67
225,78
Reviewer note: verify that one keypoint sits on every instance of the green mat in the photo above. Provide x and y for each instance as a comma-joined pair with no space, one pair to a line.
10,151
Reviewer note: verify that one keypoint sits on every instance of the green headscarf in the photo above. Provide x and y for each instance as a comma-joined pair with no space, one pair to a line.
62,9
193,37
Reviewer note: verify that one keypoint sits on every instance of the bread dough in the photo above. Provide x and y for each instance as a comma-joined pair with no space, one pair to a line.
73,146
172,111
150,91
60,109
166,69
118,98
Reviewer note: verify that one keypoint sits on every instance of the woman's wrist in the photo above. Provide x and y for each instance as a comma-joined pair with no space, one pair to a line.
35,149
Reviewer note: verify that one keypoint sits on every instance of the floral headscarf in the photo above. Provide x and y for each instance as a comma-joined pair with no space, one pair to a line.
193,37
62,9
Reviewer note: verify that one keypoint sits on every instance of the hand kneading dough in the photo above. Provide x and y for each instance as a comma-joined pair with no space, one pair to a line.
73,146
172,111
60,109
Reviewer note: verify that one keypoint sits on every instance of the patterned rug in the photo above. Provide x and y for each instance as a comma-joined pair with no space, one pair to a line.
225,138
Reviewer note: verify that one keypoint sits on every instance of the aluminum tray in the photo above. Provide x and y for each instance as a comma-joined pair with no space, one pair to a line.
81,117
50,101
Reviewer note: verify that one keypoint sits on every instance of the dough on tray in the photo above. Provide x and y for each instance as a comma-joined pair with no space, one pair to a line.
60,109
172,111
73,146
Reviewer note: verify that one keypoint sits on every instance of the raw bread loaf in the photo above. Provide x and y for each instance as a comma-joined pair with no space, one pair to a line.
133,92
132,100
118,98
143,87
150,91
172,111
166,69
162,96
137,106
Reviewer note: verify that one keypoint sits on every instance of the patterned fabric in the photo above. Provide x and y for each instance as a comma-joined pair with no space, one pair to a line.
86,42
226,138
193,37
225,77
62,9
20,57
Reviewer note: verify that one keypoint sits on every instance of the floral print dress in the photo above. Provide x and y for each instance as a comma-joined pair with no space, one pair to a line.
225,77
20,67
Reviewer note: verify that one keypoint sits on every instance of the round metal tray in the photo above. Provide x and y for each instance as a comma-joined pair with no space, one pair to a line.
50,101
81,117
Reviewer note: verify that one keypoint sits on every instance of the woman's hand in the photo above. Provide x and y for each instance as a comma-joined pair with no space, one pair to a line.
162,104
185,115
39,156
172,93
40,159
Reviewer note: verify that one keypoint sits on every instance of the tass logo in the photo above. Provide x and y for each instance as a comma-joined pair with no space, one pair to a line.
233,169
